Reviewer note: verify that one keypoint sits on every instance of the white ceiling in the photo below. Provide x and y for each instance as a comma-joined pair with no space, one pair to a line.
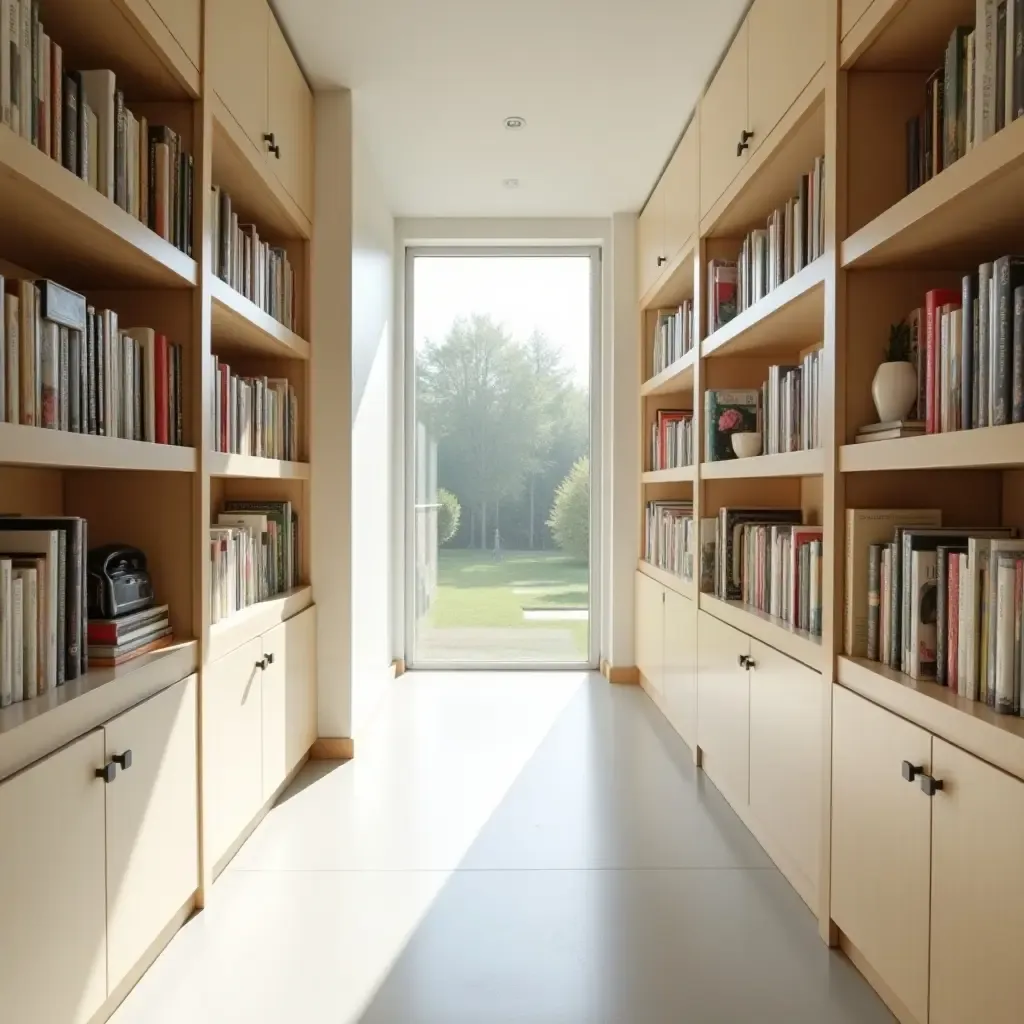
606,87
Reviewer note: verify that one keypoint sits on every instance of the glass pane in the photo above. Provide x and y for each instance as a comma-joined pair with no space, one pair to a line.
501,502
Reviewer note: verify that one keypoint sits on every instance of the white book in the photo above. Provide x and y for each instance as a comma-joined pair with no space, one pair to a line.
987,686
30,624
100,88
1004,635
923,571
965,623
146,337
984,70
43,543
17,641
6,635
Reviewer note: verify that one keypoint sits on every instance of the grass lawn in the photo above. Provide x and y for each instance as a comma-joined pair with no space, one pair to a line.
475,590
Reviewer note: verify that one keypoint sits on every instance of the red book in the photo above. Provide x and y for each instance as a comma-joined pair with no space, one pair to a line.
161,387
953,621
933,303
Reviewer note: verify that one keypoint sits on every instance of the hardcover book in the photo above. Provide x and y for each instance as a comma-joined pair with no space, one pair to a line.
728,413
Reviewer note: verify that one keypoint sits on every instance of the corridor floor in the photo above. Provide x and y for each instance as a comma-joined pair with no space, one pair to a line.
527,848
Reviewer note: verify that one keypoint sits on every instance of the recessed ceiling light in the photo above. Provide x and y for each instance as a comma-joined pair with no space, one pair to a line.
511,183
514,124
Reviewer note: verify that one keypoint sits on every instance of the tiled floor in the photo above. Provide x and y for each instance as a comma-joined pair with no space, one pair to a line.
528,848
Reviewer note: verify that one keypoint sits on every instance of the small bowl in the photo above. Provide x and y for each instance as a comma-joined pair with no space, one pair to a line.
746,444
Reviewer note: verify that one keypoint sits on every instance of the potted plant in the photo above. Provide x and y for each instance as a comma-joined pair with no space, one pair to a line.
894,388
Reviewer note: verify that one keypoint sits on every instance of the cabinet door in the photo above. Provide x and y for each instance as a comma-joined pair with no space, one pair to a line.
53,938
977,901
679,185
787,46
650,241
291,121
650,630
723,116
680,665
182,18
238,35
723,707
289,697
786,759
152,822
851,12
232,746
881,846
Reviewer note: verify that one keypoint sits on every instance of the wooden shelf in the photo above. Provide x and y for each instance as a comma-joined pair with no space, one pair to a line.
240,325
998,739
33,727
668,579
810,463
790,318
673,379
796,643
681,474
226,464
903,35
985,448
251,622
970,212
56,225
34,446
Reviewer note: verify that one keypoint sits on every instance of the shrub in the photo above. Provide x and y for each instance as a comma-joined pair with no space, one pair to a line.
449,515
570,513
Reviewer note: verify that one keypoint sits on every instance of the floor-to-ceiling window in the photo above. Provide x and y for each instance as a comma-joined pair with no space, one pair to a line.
501,514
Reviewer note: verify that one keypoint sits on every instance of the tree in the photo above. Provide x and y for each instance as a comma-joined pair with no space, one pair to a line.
570,513
448,515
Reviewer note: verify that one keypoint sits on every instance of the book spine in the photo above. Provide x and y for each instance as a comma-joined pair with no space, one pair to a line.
1004,640
967,353
1018,355
895,606
1003,369
74,381
931,365
75,624
62,607
941,613
874,598
999,97
1018,59
953,621
50,376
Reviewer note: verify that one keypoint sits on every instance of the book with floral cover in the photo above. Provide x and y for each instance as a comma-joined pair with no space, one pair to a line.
727,413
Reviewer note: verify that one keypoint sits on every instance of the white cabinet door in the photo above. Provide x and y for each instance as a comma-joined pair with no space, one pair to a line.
680,665
237,49
290,117
152,822
53,909
650,630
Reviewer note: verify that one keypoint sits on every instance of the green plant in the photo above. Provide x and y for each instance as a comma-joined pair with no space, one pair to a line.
570,513
449,515
898,349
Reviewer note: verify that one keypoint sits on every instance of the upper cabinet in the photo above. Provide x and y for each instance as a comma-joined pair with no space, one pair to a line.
649,242
183,19
850,13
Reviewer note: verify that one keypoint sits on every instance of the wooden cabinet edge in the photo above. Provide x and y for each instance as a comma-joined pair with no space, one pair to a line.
165,45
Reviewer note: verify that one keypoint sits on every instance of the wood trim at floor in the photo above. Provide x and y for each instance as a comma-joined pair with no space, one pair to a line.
332,748
398,667
626,675
874,979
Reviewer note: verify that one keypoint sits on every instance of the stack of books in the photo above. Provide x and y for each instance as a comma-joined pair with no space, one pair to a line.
790,398
890,430
114,641
65,365
669,539
79,119
255,268
673,336
672,437
254,415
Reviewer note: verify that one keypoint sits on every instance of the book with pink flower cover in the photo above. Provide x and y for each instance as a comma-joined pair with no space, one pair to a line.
727,413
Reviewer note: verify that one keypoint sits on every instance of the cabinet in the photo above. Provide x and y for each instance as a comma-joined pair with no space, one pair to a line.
850,14
183,19
650,630
650,232
680,666
53,945
290,119
151,822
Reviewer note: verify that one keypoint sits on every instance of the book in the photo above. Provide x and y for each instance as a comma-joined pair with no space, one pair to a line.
113,631
6,635
8,64
113,660
32,684
892,434
952,621
1003,635
999,98
43,547
1008,272
934,301
923,597
984,69
945,599
727,413
70,124
1017,388
17,640
874,599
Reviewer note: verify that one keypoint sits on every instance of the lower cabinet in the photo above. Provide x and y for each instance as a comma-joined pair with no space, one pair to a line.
679,664
650,630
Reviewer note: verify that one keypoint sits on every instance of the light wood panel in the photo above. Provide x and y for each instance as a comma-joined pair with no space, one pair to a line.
53,946
680,196
184,19
651,241
650,629
668,580
964,449
238,50
33,446
682,474
808,463
256,620
679,665
152,822
240,325
230,464
674,379
901,35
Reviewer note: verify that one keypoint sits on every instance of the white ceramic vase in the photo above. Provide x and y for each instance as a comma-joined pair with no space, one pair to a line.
894,390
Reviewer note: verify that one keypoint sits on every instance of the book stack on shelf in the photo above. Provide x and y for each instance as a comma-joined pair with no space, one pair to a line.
728,412
672,435
253,267
254,415
890,430
768,559
254,554
43,604
113,642
790,400
673,336
669,539
79,119
66,366
977,92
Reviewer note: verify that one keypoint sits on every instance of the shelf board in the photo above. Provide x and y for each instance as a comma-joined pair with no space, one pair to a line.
809,463
33,728
668,579
984,448
790,318
998,739
796,643
227,464
970,212
240,325
678,377
58,226
681,474
675,282
34,446
243,626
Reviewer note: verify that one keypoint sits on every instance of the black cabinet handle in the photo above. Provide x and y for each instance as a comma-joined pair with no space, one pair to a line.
742,659
262,663
268,659
268,137
911,771
124,760
744,142
751,663
107,773
662,260
930,786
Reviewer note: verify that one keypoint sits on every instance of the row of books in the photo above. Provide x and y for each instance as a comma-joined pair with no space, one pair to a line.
670,542
780,572
79,119
65,365
254,415
793,237
254,554
790,398
116,641
976,93
255,268
672,439
674,336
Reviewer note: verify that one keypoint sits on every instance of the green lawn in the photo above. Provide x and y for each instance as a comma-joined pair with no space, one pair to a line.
476,590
